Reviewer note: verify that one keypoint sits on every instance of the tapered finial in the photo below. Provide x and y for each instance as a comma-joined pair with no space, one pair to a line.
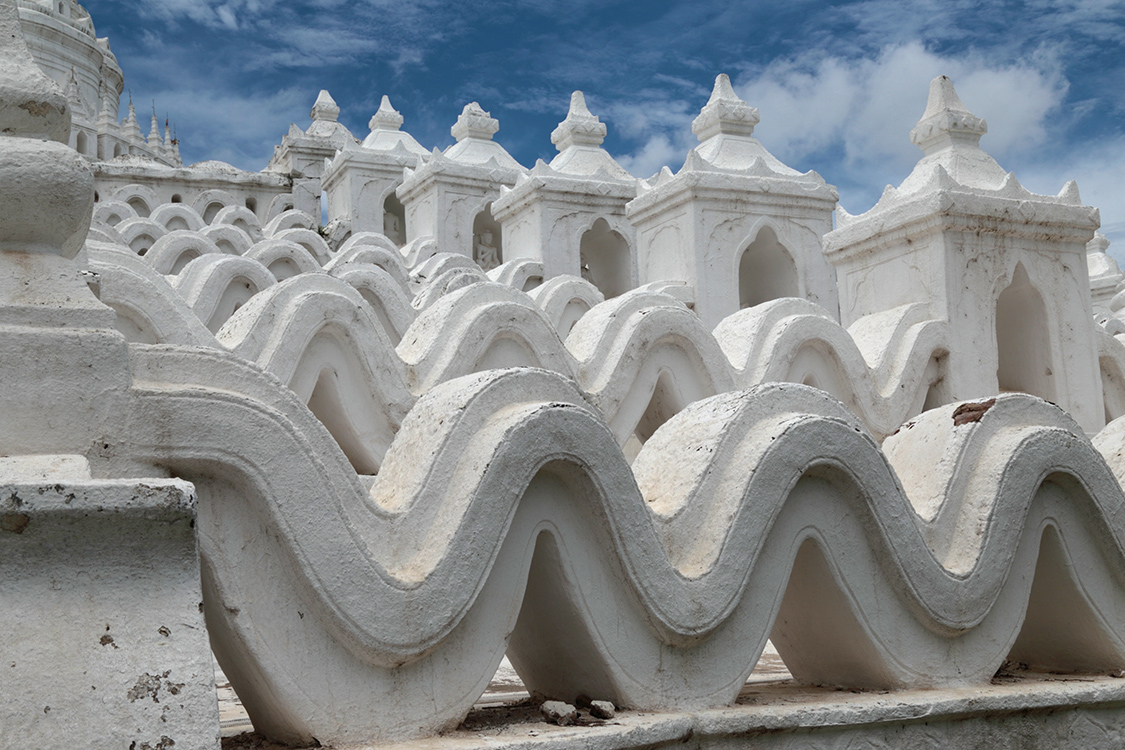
474,122
725,113
946,119
579,127
387,118
325,108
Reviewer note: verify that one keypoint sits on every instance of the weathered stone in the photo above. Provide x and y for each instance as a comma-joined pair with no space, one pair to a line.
598,709
559,713
428,468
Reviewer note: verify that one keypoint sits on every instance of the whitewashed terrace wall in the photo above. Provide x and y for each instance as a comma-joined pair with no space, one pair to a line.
505,515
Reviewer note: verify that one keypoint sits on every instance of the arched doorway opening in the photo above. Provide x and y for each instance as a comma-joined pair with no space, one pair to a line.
394,219
212,210
1023,341
766,271
138,204
487,242
605,259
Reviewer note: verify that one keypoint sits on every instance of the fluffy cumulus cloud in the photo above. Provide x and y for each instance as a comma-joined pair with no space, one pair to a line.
853,116
235,128
662,127
1096,166
839,84
857,114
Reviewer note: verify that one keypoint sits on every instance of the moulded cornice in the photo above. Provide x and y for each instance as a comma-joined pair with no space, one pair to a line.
153,170
724,186
960,211
557,189
446,173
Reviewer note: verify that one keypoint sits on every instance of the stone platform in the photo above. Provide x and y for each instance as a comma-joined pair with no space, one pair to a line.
1019,711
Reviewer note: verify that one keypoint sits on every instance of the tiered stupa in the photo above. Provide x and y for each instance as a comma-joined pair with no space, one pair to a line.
1005,267
450,197
361,181
570,215
734,221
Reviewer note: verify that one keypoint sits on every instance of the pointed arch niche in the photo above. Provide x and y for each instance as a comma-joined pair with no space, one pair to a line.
766,271
1023,342
488,247
604,259
138,204
394,219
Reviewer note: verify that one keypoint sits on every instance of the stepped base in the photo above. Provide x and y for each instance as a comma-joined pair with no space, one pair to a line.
1023,711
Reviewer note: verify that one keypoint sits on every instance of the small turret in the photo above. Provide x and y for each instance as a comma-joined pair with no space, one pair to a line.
946,121
581,127
325,108
107,117
386,134
474,122
131,129
72,96
725,113
387,118
154,141
167,145
742,219
176,147
1005,270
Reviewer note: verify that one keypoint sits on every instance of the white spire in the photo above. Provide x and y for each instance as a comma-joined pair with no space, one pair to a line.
946,120
387,118
325,109
132,128
474,122
578,139
580,127
725,113
72,92
386,133
154,132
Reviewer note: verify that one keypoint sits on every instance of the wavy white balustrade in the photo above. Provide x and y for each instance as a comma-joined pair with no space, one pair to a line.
1111,361
383,293
291,219
504,506
284,258
149,311
563,299
480,327
169,254
216,286
642,356
882,368
522,273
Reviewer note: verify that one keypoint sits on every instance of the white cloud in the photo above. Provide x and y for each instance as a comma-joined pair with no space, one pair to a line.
213,13
226,16
868,106
851,119
1096,167
234,128
656,152
662,126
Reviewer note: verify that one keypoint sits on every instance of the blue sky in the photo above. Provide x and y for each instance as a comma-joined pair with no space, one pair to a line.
838,85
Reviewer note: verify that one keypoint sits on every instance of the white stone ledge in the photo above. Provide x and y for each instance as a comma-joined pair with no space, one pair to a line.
102,609
1027,712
